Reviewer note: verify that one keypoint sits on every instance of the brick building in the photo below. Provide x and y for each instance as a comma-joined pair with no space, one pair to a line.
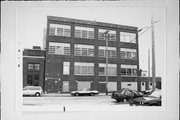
33,66
76,56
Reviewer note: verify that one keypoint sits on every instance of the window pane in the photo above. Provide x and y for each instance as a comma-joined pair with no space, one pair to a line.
123,71
122,54
91,34
134,56
91,52
128,55
114,71
66,50
84,51
90,70
101,53
77,51
30,66
52,31
66,66
113,54
36,66
59,31
84,34
134,72
78,33
67,32
77,70
101,36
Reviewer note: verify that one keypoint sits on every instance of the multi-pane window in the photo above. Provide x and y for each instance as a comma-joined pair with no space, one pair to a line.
84,32
36,66
30,66
82,68
126,53
83,50
59,48
112,69
129,70
60,30
111,35
33,66
111,52
66,66
127,37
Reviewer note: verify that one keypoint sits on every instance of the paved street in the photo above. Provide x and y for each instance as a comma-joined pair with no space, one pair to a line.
66,99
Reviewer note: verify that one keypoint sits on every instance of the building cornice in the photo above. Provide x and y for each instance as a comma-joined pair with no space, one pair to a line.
78,21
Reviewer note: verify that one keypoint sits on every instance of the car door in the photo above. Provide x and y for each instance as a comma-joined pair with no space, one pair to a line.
128,94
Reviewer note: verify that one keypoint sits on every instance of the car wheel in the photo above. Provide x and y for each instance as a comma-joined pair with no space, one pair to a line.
37,94
76,94
92,94
118,100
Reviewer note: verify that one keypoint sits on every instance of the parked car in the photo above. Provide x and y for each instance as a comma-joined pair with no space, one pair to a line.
84,92
32,90
154,99
125,94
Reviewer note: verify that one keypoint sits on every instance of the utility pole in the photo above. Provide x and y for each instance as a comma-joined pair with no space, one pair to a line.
153,54
106,39
149,65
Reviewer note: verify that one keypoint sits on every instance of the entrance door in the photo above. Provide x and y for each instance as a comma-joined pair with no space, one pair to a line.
65,86
30,79
143,86
102,87
36,80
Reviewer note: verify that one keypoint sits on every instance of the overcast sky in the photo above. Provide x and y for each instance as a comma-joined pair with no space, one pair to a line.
32,20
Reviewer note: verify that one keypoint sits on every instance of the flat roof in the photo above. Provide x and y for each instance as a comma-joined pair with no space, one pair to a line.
103,24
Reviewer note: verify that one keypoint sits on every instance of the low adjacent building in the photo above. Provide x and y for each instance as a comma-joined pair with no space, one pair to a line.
33,66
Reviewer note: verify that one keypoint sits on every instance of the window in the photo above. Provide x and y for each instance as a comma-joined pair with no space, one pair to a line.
36,66
84,32
82,68
127,37
32,66
60,30
66,66
111,35
112,69
59,48
111,52
129,70
126,53
83,50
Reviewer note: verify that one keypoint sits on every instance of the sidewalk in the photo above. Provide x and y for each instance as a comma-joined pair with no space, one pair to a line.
68,94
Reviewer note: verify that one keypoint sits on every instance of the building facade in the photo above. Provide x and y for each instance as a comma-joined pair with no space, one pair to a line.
76,55
33,67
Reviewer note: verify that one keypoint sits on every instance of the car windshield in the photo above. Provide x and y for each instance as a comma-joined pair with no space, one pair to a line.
85,89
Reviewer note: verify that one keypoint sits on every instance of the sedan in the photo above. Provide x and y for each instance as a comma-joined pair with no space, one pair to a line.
84,92
125,95
154,99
